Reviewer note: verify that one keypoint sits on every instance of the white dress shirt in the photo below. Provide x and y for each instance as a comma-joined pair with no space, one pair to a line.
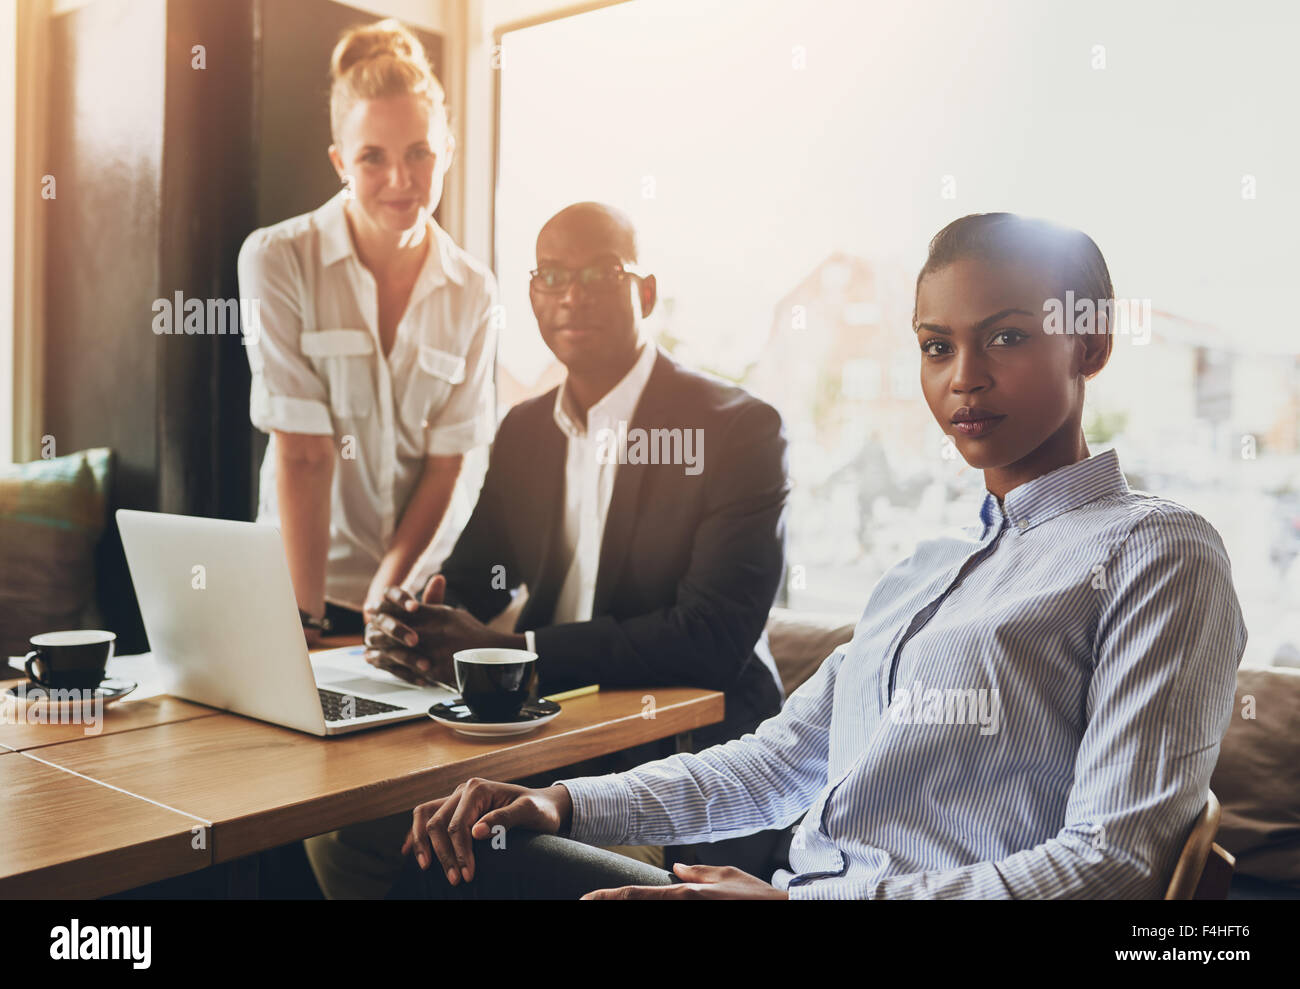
589,469
318,368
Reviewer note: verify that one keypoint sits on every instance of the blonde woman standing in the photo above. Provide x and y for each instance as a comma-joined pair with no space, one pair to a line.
372,370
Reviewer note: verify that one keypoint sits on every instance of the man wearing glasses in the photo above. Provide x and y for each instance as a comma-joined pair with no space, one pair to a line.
640,502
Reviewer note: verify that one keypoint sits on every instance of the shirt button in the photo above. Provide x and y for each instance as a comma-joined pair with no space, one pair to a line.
1022,525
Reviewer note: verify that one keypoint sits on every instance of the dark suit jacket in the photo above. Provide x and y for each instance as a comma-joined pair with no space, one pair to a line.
689,564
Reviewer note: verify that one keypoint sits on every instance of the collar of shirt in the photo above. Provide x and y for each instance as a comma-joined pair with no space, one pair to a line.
1056,492
440,263
618,404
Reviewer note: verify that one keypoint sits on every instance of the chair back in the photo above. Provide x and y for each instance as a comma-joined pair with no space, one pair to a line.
1204,869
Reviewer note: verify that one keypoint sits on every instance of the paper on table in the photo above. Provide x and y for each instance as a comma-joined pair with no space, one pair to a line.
346,669
143,670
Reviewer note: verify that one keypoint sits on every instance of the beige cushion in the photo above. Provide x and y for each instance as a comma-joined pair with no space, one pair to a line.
1257,778
800,641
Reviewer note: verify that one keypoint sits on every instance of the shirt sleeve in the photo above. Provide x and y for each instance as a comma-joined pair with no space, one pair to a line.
468,418
286,393
1169,638
764,780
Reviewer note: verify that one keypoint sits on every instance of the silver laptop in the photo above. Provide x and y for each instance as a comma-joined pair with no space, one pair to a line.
223,627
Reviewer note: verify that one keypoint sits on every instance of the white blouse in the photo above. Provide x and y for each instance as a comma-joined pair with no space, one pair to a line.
318,368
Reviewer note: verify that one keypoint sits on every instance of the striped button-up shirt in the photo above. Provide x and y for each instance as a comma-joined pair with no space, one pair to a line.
1029,708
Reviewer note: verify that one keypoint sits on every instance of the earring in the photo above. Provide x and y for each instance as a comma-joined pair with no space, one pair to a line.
348,191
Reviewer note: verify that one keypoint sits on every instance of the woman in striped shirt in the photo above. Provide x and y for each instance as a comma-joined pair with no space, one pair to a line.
1031,707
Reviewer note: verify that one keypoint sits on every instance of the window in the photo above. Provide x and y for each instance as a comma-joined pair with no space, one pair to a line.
8,233
787,164
861,380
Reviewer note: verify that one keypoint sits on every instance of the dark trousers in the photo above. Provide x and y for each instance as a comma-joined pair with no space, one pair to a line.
526,865
531,866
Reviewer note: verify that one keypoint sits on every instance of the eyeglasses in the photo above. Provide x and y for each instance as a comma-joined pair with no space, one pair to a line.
604,276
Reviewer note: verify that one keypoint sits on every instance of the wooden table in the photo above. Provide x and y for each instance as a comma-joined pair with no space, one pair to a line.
68,836
89,815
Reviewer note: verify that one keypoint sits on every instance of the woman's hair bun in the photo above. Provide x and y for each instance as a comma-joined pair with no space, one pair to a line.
373,61
387,38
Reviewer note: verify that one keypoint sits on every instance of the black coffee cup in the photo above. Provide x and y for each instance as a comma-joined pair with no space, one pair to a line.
495,683
71,660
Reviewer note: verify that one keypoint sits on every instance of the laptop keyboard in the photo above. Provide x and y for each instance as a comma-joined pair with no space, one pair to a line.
345,707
